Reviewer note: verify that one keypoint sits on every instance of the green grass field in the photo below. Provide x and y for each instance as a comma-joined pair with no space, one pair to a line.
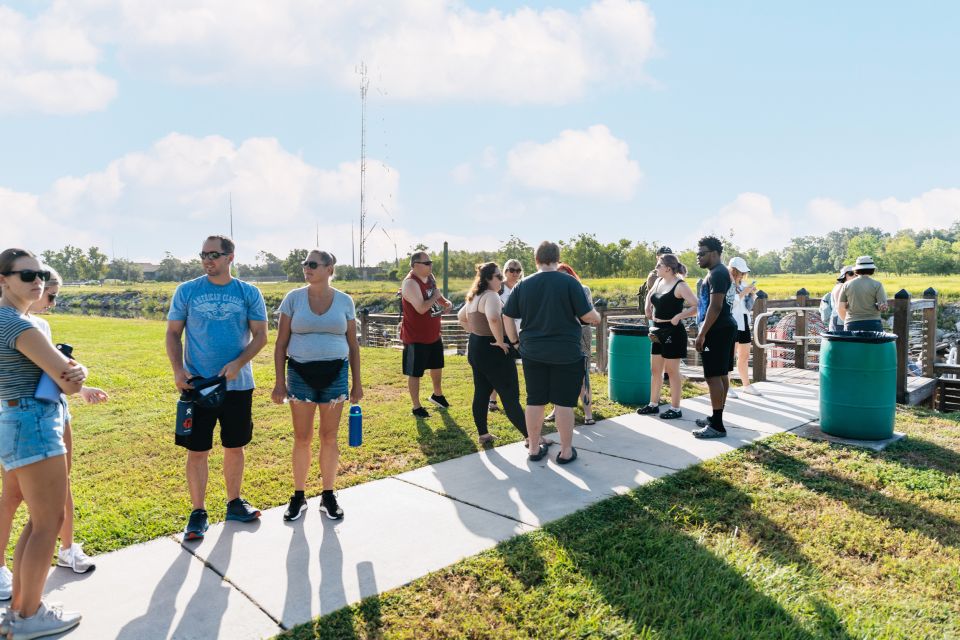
128,475
786,539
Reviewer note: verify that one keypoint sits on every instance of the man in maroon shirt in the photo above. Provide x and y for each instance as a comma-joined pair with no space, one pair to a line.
422,304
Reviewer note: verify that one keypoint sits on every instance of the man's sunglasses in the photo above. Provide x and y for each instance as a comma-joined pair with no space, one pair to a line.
312,264
426,262
512,270
212,255
29,275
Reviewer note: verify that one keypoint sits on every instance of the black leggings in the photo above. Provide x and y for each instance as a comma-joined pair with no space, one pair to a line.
493,370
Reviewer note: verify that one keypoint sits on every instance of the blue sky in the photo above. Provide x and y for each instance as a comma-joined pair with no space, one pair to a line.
128,126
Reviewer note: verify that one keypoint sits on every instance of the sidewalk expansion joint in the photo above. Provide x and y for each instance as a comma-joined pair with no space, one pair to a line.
613,455
230,582
461,501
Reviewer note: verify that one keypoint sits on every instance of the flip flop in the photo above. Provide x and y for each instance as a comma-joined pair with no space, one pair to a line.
589,421
539,455
573,456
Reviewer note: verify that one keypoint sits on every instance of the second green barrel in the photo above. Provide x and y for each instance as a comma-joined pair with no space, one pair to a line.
858,384
628,364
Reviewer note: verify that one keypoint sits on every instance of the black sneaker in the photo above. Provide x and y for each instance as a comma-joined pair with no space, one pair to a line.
648,410
197,525
328,504
420,412
295,509
440,401
242,511
671,414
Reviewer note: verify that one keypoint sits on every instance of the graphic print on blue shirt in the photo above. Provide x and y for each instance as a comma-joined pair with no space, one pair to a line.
217,325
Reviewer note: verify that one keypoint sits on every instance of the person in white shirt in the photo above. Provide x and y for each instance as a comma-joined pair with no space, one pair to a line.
743,300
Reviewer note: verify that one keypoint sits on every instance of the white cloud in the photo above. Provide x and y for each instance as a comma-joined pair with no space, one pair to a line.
49,66
588,163
165,198
415,49
934,209
753,222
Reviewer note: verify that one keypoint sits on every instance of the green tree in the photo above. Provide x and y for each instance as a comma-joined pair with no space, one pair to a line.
94,264
517,249
170,269
292,264
936,256
898,253
587,256
864,244
126,270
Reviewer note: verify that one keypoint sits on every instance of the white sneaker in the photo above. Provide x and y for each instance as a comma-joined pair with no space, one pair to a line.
752,390
732,394
47,621
74,558
6,583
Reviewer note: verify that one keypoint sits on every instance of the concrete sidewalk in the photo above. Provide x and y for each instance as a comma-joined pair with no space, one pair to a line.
255,580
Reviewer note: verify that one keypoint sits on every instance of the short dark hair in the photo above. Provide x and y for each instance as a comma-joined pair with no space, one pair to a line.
712,243
226,244
865,272
417,256
547,253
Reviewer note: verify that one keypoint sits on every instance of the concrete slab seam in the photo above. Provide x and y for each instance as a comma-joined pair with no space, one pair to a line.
613,455
461,501
232,584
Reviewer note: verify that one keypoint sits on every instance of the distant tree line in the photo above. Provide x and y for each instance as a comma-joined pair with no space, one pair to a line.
934,251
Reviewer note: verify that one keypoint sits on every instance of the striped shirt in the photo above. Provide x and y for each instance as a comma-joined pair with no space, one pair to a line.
18,374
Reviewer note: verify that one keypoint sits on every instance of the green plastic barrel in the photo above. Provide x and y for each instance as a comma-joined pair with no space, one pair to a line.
628,364
858,384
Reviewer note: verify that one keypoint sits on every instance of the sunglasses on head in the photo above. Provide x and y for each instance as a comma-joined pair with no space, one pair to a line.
312,264
426,262
212,255
514,270
29,275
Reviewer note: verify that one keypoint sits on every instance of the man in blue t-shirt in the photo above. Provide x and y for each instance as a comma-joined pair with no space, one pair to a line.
718,333
226,326
550,305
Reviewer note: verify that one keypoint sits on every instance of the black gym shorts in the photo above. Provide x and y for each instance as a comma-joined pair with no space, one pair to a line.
671,341
236,423
718,348
417,358
558,384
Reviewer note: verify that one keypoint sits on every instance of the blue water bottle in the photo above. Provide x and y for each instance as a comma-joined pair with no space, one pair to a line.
356,426
48,389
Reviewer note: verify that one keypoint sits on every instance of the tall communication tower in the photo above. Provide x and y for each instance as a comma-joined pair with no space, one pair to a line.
364,85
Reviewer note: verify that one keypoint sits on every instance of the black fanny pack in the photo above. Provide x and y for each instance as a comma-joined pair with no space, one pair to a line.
208,393
319,374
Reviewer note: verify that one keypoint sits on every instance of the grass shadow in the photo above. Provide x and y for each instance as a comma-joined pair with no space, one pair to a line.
449,441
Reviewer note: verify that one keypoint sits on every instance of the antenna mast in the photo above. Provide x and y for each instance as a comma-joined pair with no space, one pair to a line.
364,85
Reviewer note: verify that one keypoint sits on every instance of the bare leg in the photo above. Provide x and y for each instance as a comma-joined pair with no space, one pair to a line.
329,447
656,379
436,376
44,486
718,391
676,381
302,414
534,416
743,358
233,459
66,531
10,500
565,429
413,386
197,474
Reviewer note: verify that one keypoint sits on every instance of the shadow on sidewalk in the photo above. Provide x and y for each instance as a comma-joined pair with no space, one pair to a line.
158,618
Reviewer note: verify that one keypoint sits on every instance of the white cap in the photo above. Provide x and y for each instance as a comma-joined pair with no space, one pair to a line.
739,264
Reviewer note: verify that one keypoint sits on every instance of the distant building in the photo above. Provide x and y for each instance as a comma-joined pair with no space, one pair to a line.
149,270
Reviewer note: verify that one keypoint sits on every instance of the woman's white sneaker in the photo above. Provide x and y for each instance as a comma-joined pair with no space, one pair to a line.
6,583
47,621
74,558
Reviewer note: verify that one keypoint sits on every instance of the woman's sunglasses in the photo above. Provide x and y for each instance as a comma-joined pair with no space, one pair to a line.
512,270
312,264
29,275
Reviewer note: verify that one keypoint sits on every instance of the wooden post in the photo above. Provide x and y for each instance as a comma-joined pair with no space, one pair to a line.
364,327
800,329
901,327
601,360
760,355
930,337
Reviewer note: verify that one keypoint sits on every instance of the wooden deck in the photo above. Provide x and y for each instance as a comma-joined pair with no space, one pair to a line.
919,389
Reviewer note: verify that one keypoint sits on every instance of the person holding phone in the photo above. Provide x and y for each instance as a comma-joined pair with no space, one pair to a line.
745,297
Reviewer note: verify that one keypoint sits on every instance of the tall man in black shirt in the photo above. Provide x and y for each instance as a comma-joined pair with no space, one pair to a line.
718,332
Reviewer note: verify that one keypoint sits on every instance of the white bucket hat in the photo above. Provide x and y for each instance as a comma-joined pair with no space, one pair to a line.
739,264
864,262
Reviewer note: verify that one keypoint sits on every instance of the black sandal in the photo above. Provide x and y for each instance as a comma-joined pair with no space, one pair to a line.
573,456
539,455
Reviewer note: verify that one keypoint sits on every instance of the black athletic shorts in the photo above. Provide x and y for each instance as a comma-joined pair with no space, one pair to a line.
558,384
236,423
671,341
718,351
417,358
743,337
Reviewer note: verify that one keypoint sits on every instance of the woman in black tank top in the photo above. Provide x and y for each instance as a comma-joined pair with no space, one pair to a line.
665,310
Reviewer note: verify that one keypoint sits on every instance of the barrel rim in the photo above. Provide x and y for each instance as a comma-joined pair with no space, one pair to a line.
629,329
862,337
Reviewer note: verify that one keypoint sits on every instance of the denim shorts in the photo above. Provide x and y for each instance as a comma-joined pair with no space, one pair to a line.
30,432
336,391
